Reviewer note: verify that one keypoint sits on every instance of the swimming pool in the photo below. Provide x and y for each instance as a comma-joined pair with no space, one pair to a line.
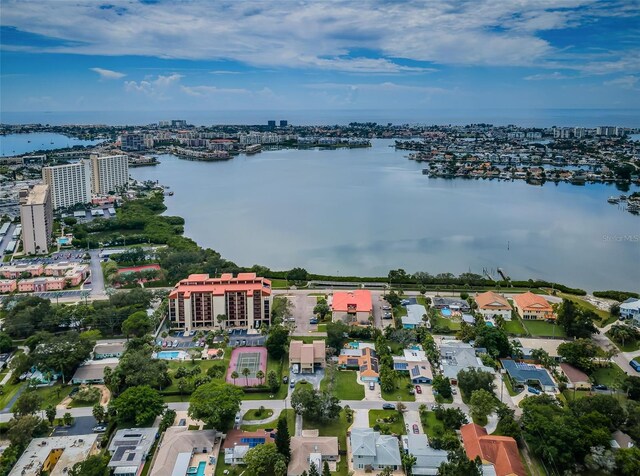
446,312
199,471
170,355
490,324
63,240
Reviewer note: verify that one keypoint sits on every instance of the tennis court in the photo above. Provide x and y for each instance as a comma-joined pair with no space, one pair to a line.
252,358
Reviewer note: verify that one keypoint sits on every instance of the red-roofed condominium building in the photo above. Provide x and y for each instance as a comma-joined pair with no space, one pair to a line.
501,452
196,302
352,307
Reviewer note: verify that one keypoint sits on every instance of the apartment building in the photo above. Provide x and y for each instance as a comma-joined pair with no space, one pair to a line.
69,184
36,215
109,173
244,301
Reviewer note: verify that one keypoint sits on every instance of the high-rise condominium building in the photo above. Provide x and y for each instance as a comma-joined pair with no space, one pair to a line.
243,301
109,173
132,141
36,214
68,184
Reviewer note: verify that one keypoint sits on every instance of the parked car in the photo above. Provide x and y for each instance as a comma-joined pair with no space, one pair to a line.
313,321
388,406
404,302
292,384
372,385
99,429
635,365
418,389
454,391
244,342
285,379
416,430
534,390
600,387
386,308
164,344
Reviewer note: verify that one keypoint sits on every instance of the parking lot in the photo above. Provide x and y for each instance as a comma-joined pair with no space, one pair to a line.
240,338
302,312
82,425
73,256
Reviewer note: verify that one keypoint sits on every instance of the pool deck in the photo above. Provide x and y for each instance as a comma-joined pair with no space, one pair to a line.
209,469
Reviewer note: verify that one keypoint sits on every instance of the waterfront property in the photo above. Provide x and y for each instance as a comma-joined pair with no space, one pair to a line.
109,173
252,358
528,345
69,184
414,317
414,362
456,356
307,356
499,454
492,305
54,455
363,358
238,442
533,306
311,448
129,450
526,374
371,451
451,304
352,307
182,450
630,309
243,302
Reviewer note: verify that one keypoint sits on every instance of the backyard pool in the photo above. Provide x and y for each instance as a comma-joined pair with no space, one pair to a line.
490,324
171,355
199,471
446,312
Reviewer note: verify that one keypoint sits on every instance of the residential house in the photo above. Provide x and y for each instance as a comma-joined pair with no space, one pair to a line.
413,319
498,453
7,285
428,459
525,374
414,362
182,449
371,451
533,306
129,449
528,345
454,304
456,356
620,440
92,372
492,305
630,309
110,350
238,442
364,359
54,455
577,379
307,356
352,307
310,448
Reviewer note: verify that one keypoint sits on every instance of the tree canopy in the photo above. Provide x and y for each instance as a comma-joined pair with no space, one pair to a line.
216,404
316,405
138,405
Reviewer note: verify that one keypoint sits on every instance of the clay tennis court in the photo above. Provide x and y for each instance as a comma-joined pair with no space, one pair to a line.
252,358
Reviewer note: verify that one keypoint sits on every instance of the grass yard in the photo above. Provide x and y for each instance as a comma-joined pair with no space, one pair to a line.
444,322
54,394
9,391
605,316
396,427
441,399
432,426
291,423
509,386
255,414
399,311
543,329
279,284
337,427
514,326
610,376
345,386
401,393
629,346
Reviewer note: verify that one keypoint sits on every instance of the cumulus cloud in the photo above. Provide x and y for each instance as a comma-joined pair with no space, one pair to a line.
157,87
107,73
546,76
625,82
210,90
312,35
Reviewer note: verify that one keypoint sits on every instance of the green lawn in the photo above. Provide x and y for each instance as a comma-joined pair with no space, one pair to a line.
396,427
291,423
629,346
610,376
345,386
605,316
278,284
543,329
9,390
509,386
514,326
337,427
253,414
441,399
322,328
445,322
401,393
431,425
203,364
54,394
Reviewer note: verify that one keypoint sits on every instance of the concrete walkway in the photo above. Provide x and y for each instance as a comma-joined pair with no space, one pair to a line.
260,422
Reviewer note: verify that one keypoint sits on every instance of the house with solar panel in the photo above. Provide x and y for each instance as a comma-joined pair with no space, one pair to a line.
527,374
129,450
238,442
362,358
416,364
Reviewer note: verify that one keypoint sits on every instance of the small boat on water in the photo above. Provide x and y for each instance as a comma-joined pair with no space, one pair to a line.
623,197
613,200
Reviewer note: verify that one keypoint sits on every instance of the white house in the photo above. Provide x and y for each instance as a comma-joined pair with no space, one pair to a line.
630,309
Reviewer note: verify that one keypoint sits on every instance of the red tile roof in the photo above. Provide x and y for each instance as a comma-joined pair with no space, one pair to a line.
352,301
202,283
501,451
491,300
530,301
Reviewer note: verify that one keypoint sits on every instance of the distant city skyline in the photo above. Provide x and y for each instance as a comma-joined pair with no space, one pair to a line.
225,56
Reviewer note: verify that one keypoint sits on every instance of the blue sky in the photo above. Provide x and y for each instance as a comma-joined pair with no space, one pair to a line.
368,54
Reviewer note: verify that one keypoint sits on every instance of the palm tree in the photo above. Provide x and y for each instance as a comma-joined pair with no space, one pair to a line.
260,376
246,373
234,376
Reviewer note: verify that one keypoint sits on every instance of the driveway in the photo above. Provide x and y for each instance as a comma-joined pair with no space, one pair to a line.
370,395
97,278
427,394
314,378
82,425
412,417
360,419
302,312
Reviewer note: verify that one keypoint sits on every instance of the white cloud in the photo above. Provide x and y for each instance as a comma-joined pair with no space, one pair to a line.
210,90
154,87
625,82
545,76
318,35
107,73
382,87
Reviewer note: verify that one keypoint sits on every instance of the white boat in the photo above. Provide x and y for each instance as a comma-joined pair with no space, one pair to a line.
613,200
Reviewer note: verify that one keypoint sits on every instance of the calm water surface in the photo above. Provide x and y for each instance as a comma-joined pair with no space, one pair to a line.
365,211
16,144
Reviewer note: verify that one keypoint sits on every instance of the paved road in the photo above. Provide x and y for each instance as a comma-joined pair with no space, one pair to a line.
97,279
